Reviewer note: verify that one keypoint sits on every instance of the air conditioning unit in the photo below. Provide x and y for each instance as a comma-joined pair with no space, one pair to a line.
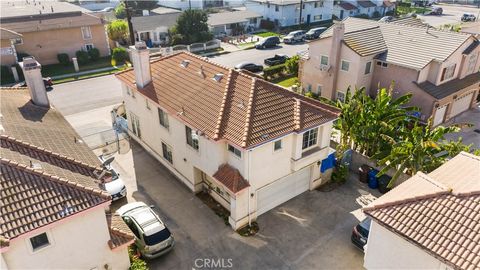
324,68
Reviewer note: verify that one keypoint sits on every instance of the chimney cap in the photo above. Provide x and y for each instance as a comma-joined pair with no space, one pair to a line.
140,45
29,62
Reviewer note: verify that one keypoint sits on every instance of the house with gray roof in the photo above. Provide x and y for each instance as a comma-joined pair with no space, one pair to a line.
233,22
153,28
349,8
440,68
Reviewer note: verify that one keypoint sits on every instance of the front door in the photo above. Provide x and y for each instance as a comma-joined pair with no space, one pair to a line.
308,19
341,14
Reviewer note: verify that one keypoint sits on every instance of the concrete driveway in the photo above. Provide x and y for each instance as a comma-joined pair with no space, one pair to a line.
469,135
310,231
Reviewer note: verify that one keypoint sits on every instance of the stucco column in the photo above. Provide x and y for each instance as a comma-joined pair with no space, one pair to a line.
15,74
75,64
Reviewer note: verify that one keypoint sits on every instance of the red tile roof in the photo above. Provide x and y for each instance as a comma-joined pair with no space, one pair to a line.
240,108
120,234
231,178
30,198
347,6
439,215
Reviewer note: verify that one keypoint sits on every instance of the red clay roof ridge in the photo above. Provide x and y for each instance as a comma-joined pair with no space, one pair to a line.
222,106
296,113
54,178
248,116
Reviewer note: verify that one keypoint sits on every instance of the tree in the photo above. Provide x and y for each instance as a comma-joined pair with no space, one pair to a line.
191,27
118,31
120,12
292,64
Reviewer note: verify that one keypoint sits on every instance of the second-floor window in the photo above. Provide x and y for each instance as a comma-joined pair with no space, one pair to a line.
163,118
345,65
318,4
277,145
324,60
341,96
310,138
167,152
234,150
86,32
448,72
192,139
368,67
472,62
39,241
277,8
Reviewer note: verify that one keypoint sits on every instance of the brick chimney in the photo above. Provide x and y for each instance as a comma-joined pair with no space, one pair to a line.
33,77
335,49
140,57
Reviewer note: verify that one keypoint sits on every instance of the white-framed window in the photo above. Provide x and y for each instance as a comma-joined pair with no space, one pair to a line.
368,67
318,4
135,125
86,32
324,60
382,64
147,104
277,9
309,138
277,145
234,150
88,47
163,118
448,72
345,65
472,62
317,18
319,90
39,241
341,96
167,152
192,138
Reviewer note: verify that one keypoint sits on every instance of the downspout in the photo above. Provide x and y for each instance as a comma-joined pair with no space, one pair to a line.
248,175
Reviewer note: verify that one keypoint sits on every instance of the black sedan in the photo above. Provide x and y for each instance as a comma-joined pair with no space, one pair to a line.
276,60
360,233
47,81
252,67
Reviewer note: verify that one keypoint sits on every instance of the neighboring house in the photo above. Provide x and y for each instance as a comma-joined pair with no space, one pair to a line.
226,23
8,54
287,12
430,221
440,68
251,143
153,29
49,28
345,9
193,4
471,28
53,207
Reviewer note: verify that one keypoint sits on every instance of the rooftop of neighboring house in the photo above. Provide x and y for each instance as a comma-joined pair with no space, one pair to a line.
366,4
227,104
282,2
411,21
409,46
346,5
151,22
164,10
48,173
229,17
34,8
437,212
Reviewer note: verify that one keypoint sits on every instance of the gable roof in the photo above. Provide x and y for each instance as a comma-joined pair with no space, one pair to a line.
152,22
282,2
347,5
240,108
366,42
230,17
31,198
438,213
366,4
408,46
230,178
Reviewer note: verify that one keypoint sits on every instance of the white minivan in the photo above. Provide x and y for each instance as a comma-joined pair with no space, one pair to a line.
152,237
114,186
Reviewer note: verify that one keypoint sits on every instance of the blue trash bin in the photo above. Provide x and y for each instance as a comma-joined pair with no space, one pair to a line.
372,179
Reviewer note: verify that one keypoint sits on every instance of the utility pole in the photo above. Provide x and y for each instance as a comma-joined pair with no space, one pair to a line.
189,4
301,9
129,21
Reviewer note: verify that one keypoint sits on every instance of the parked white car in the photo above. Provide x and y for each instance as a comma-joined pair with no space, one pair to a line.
152,237
295,36
115,186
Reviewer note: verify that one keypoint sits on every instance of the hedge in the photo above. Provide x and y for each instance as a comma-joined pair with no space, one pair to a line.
120,55
94,54
82,57
63,59
273,71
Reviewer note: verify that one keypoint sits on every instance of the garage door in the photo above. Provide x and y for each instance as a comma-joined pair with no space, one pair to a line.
439,115
461,104
282,190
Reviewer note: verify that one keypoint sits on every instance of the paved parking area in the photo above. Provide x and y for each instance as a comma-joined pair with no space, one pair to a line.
311,231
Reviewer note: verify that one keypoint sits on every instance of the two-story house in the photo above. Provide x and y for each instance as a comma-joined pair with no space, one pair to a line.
348,8
287,12
53,205
195,4
252,144
440,68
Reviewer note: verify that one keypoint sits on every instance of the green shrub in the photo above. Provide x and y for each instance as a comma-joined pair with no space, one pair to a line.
63,59
390,13
120,55
6,75
136,263
291,65
94,54
311,95
376,14
273,71
340,173
82,57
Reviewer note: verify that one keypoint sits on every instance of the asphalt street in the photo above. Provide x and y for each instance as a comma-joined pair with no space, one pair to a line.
451,15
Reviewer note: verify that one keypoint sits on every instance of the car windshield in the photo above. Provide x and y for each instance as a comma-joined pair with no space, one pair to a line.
114,174
157,237
364,227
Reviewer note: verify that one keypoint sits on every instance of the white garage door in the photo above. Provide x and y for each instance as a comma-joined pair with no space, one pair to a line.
282,190
461,104
439,115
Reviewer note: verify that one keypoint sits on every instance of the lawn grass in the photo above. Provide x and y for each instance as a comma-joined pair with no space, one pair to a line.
87,76
267,34
286,81
400,10
248,45
59,69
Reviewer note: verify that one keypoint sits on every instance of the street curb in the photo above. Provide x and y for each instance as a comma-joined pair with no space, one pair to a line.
81,79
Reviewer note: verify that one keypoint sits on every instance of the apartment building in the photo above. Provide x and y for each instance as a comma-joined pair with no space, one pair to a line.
48,28
440,68
252,144
287,12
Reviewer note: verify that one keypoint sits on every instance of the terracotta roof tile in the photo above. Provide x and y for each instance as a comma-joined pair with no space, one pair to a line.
231,178
31,198
241,108
120,234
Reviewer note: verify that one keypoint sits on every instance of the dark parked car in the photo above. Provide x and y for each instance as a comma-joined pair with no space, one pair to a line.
249,67
467,17
314,33
267,42
276,60
386,19
47,81
436,11
360,233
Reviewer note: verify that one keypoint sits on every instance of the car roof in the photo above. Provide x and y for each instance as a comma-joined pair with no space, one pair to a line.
318,28
297,31
147,220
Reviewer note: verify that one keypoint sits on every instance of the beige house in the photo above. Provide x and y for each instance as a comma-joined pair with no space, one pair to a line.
429,221
252,144
54,209
47,29
440,68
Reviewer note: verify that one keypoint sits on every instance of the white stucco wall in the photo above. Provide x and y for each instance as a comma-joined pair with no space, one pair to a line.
386,250
79,243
